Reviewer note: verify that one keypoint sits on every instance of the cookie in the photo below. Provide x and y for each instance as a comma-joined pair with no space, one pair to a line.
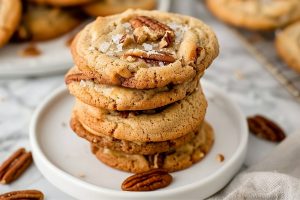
161,124
10,15
62,2
43,23
256,14
287,44
121,98
181,158
129,147
110,7
144,49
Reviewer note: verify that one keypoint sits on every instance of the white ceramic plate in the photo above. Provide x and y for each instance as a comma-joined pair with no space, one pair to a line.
66,161
55,57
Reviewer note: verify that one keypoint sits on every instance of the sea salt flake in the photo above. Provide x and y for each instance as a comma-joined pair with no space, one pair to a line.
116,38
104,47
147,47
126,25
161,64
119,47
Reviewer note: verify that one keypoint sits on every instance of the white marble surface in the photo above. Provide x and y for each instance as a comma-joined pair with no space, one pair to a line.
235,71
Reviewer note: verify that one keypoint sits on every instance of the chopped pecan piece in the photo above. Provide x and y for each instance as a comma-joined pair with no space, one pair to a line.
265,128
15,165
23,194
156,160
126,40
164,57
146,28
147,181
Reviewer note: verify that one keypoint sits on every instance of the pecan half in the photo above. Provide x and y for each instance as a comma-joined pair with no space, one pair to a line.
15,165
23,194
265,128
146,28
147,181
149,56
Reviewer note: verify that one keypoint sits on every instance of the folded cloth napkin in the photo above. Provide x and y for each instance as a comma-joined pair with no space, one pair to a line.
276,177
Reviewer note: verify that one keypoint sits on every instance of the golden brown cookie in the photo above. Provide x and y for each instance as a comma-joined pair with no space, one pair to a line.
10,15
181,158
256,14
110,7
144,49
161,124
288,45
43,23
121,98
62,2
129,147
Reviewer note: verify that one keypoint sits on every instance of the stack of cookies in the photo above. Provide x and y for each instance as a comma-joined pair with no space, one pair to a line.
138,97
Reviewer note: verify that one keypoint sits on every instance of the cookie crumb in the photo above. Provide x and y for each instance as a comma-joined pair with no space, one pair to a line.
63,124
30,51
82,176
239,75
220,158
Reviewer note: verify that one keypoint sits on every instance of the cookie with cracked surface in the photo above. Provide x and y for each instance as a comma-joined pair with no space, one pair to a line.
161,124
256,14
43,22
181,158
110,7
62,2
10,15
120,98
287,44
129,147
144,49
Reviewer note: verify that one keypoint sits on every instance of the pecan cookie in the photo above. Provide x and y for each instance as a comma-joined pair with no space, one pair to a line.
110,7
288,45
144,49
129,147
43,22
256,14
161,124
121,98
181,158
10,15
62,2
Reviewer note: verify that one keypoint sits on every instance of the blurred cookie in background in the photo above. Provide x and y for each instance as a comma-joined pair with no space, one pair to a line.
256,14
110,7
41,22
288,45
10,15
62,2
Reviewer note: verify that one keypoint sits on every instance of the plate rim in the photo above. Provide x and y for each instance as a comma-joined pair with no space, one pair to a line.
39,155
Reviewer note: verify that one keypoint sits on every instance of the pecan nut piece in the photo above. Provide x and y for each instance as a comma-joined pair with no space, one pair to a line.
147,181
146,28
265,128
14,166
149,56
23,194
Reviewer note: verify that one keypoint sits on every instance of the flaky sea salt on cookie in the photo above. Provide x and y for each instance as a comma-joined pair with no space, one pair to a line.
144,49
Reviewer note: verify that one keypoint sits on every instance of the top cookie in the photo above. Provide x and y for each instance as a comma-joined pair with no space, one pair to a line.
256,14
10,15
144,49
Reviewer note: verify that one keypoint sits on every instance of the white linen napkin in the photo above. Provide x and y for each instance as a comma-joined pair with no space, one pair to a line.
277,176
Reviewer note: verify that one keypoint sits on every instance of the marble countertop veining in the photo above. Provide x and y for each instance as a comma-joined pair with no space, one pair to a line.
235,71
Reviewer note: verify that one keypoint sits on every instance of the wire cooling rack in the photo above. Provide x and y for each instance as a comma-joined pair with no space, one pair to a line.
261,45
